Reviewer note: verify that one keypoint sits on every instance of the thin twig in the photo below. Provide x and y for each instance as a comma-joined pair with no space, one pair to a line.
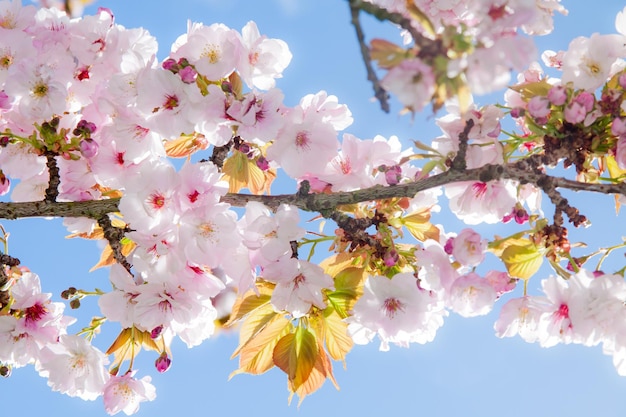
380,93
114,235
459,163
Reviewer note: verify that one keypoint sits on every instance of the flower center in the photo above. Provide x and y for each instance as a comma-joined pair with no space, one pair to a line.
391,306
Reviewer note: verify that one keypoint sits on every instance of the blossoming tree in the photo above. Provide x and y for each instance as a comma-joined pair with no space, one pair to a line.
171,163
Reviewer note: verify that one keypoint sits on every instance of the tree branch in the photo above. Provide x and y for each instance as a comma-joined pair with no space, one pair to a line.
519,171
380,93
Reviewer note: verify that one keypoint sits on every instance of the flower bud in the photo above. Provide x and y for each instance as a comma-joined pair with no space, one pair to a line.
162,363
156,332
88,148
188,75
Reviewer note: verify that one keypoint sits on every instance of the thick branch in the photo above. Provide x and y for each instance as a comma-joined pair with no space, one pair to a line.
324,202
52,192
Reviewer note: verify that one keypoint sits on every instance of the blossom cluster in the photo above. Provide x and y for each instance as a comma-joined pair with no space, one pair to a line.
85,102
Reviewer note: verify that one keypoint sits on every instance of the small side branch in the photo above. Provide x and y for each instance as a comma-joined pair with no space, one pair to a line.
459,162
114,235
5,260
380,93
52,192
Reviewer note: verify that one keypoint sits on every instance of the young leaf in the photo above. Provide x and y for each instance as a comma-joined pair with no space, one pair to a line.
296,353
254,324
249,302
256,357
185,145
334,332
522,261
322,369
418,224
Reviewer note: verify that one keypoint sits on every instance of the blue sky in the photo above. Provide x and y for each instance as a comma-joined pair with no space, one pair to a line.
465,371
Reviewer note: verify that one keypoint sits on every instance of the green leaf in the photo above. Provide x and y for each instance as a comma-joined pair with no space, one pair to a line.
522,261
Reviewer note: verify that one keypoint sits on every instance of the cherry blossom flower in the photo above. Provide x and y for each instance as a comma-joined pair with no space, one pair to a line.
471,295
479,202
125,393
262,60
589,62
299,285
412,82
213,50
74,367
269,237
397,311
468,248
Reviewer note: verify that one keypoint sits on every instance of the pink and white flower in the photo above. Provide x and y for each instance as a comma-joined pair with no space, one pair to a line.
125,393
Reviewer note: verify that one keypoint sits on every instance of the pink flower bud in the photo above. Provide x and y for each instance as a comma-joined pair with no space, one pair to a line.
5,101
156,332
170,65
5,184
586,99
188,75
539,107
162,363
263,163
557,95
393,175
88,148
391,258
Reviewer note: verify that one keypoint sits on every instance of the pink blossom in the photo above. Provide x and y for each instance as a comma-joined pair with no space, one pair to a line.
299,285
620,152
500,281
74,367
468,248
589,62
538,107
413,82
213,50
519,316
262,59
269,237
397,311
557,95
471,295
125,393
305,144
479,202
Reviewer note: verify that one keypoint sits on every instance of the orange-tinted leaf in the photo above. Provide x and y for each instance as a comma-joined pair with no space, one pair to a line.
336,337
321,370
256,357
386,53
250,301
253,324
419,16
418,224
185,145
121,340
296,354
337,263
236,84
106,258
